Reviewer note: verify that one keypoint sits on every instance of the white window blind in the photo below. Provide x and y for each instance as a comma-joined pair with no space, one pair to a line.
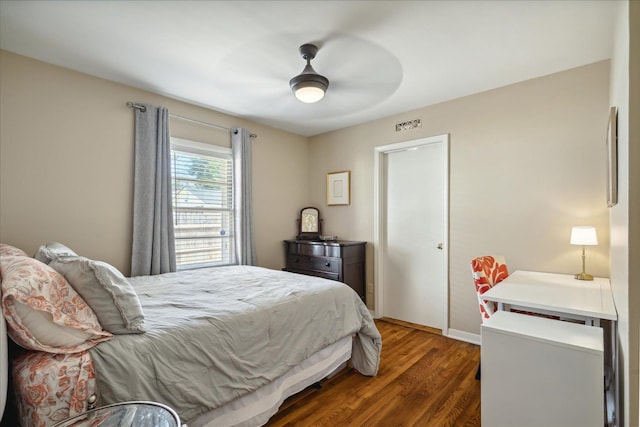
202,188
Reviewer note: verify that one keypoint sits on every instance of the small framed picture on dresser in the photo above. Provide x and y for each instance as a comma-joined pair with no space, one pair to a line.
338,188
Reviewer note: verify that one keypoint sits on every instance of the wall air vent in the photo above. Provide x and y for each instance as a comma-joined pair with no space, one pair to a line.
410,124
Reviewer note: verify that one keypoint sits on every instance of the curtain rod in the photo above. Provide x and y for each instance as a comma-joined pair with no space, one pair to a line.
186,119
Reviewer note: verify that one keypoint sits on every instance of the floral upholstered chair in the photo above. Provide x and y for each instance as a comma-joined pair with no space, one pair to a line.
487,271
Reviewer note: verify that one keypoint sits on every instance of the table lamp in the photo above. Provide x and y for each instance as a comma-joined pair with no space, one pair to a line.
584,235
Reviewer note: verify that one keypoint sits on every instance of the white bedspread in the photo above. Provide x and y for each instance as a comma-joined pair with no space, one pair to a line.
219,333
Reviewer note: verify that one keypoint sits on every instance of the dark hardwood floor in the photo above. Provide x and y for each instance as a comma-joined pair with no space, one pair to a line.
424,379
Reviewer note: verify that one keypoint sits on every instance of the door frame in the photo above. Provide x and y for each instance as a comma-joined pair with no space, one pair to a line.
379,219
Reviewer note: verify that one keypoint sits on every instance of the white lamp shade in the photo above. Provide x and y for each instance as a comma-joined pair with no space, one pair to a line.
584,235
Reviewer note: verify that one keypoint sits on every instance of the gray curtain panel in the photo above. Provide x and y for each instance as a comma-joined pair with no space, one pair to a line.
153,236
244,242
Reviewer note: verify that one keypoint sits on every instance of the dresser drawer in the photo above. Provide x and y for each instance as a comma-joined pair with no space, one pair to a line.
323,274
304,262
315,249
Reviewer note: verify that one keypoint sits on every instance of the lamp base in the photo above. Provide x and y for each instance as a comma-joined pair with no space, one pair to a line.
584,276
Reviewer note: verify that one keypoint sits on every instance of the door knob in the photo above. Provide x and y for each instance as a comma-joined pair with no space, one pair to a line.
440,246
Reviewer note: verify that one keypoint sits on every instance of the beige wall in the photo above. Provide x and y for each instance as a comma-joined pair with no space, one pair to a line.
66,163
625,216
527,162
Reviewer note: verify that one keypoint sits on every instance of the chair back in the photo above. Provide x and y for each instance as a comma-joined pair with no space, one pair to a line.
487,271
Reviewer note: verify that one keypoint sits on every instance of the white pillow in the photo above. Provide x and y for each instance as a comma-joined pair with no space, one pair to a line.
107,292
49,251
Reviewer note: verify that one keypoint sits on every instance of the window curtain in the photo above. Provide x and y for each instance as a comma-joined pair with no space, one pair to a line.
153,249
244,241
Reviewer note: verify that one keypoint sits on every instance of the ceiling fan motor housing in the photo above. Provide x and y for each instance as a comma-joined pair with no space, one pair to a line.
308,51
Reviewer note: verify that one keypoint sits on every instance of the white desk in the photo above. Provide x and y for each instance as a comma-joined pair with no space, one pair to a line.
564,296
559,294
541,372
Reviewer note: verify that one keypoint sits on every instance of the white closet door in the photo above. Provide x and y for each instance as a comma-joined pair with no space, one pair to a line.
413,282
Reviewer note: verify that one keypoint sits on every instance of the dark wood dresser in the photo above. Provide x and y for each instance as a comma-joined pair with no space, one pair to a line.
341,260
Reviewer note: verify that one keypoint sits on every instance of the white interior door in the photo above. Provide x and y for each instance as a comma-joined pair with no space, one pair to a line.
414,229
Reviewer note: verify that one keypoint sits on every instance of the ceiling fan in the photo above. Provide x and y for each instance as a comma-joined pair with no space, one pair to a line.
309,86
352,73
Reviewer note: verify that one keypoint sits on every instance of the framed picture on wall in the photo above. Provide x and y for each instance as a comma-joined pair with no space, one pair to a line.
612,158
338,188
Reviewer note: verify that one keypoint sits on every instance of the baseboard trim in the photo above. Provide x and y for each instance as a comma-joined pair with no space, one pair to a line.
413,325
449,333
464,336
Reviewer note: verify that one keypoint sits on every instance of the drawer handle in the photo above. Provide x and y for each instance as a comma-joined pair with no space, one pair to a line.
327,264
297,260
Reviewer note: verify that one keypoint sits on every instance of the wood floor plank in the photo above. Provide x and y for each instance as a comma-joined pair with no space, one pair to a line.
424,379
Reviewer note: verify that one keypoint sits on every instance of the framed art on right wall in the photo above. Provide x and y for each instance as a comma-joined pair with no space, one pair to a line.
612,158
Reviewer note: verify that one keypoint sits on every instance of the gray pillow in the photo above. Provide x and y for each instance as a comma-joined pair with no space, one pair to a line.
107,292
47,252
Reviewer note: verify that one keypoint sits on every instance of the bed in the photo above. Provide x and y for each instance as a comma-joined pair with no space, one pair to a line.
222,346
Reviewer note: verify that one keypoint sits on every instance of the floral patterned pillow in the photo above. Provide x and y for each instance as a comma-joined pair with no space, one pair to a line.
43,311
8,250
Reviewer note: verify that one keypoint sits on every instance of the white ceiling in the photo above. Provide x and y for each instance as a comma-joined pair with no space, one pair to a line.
381,57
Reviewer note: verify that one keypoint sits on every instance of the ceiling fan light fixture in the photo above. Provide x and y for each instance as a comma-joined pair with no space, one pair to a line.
309,86
309,94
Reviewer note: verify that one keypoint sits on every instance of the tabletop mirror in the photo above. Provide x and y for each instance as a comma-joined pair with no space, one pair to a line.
309,224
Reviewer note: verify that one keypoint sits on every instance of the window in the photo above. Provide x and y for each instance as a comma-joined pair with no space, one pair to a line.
202,192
